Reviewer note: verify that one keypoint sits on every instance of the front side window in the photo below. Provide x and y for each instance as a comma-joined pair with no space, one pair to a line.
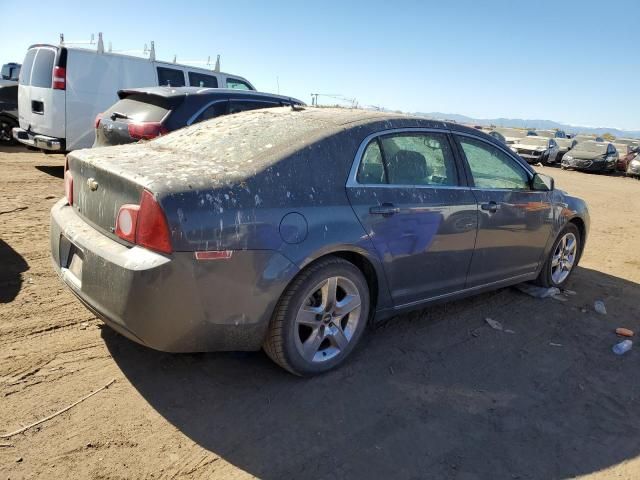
238,84
202,80
170,77
25,72
43,68
491,168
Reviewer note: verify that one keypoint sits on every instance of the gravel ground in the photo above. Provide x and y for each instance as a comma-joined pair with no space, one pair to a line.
433,394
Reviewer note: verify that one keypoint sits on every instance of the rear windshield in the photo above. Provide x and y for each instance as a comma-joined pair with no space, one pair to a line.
202,80
25,72
43,68
140,108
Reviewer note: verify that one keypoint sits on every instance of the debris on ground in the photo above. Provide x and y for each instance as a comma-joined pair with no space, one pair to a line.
53,415
496,325
624,332
536,291
555,344
569,292
560,298
622,347
599,307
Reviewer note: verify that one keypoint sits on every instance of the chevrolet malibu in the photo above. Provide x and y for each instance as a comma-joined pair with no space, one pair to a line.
292,229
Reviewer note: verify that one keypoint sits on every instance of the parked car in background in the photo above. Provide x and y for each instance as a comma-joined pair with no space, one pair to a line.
633,166
564,145
511,135
551,133
537,149
292,229
589,138
62,89
591,156
146,113
8,111
622,165
10,71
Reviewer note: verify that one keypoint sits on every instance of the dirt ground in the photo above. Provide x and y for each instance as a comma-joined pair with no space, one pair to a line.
435,394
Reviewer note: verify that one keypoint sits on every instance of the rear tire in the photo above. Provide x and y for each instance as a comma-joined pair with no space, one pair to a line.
563,258
320,318
6,135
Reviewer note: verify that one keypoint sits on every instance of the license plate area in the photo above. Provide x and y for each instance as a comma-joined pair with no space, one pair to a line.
71,260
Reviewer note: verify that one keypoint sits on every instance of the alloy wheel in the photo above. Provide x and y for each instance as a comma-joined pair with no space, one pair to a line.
564,258
327,320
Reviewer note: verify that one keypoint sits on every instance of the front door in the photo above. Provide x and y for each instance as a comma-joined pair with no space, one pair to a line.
408,197
514,221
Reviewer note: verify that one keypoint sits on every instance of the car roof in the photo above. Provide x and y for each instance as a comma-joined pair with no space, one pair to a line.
182,92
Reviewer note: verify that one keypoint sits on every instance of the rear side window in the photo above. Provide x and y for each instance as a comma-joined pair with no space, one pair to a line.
43,68
170,77
236,106
238,84
202,80
9,94
139,108
25,73
214,110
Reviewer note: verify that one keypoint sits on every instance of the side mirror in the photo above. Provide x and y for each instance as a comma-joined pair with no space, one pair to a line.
542,183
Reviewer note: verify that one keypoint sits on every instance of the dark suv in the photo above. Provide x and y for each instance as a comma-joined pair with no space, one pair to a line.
146,113
8,111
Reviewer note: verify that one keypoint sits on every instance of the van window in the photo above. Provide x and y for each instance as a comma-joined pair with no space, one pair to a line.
169,77
238,84
25,73
43,68
202,80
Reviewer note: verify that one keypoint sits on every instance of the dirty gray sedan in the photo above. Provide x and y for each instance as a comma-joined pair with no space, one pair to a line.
291,230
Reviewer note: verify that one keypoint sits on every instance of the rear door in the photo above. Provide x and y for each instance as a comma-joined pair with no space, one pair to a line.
514,221
406,190
41,107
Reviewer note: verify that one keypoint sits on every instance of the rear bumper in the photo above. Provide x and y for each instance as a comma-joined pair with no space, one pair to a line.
171,303
39,141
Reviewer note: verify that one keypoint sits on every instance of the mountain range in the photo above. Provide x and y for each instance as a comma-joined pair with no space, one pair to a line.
522,123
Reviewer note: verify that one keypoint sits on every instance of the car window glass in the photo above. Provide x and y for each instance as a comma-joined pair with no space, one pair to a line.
419,159
25,73
170,77
492,168
43,68
212,111
202,80
371,170
236,106
238,84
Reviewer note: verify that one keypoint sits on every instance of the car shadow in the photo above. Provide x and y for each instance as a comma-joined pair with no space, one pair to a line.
53,170
432,394
12,264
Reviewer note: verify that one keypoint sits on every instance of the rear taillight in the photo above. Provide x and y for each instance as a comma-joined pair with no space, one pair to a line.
68,183
144,224
59,78
146,130
96,122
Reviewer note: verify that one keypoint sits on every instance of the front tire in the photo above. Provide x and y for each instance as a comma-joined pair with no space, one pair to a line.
320,318
563,258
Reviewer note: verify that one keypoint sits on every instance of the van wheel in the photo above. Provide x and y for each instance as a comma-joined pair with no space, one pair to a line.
563,258
319,318
6,136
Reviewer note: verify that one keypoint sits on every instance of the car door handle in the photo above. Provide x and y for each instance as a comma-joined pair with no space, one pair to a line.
385,209
490,207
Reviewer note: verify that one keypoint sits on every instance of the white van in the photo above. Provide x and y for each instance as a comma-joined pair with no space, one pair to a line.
62,90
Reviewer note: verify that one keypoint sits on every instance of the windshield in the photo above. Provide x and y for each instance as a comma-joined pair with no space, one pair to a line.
591,147
536,141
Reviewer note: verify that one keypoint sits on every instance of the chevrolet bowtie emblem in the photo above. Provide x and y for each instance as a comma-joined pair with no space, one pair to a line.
92,184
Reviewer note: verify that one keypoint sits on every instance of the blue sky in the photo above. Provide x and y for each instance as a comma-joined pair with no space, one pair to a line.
572,61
